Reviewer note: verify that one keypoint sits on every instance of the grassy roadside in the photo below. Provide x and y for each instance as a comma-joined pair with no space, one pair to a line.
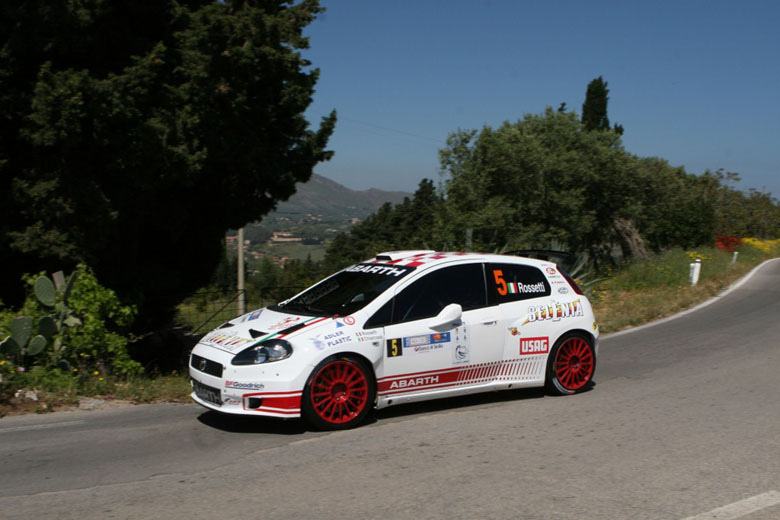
644,291
637,293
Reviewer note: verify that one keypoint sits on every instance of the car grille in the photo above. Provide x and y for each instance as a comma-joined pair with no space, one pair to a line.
208,366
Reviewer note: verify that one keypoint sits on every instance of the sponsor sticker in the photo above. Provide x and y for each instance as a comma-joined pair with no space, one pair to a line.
227,341
550,270
238,385
563,290
426,339
534,346
287,322
254,315
318,343
554,311
513,331
412,382
461,354
376,269
336,338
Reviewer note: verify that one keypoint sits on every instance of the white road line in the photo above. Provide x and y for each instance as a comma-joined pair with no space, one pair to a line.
40,426
741,508
712,300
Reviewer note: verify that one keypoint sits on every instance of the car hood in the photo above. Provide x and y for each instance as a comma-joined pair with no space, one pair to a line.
260,325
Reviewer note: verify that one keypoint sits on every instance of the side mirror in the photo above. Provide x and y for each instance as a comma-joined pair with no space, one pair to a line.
448,316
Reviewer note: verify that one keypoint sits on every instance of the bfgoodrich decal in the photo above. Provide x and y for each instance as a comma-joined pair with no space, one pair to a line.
244,386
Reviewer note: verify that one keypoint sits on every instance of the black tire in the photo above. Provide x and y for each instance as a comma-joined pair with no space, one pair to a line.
339,394
571,364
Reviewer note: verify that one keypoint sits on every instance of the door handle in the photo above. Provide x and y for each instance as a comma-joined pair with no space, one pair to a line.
488,322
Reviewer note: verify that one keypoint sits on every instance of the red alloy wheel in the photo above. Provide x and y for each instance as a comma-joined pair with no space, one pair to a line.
339,392
574,363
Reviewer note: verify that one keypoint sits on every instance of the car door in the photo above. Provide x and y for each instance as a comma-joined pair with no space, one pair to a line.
427,350
521,291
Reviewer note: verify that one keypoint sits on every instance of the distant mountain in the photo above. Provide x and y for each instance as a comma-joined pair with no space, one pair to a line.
319,210
322,196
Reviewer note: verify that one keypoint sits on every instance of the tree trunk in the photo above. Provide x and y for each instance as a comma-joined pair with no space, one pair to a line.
630,240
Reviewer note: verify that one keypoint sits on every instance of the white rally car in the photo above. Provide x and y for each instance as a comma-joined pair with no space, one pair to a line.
404,326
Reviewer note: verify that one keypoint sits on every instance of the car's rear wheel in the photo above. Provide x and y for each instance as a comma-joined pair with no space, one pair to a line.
339,394
571,364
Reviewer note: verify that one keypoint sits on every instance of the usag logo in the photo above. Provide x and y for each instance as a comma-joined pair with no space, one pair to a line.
534,346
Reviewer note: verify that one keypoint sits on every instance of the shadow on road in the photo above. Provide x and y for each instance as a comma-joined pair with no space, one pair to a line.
250,424
455,403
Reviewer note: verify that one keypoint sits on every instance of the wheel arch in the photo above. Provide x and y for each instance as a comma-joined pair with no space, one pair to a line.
586,333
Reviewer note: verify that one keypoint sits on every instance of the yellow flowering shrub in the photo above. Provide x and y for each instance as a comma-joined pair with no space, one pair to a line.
765,246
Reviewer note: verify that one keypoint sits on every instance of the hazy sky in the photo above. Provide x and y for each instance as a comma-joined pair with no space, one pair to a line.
693,82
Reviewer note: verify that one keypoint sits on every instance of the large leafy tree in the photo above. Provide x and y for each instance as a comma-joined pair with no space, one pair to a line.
134,134
543,180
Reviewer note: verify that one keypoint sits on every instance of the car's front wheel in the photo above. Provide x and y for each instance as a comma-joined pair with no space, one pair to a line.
339,394
571,364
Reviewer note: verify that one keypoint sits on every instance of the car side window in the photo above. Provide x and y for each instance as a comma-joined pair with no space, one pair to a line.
426,297
515,282
382,317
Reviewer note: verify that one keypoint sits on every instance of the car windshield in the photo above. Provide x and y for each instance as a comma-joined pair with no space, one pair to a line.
345,292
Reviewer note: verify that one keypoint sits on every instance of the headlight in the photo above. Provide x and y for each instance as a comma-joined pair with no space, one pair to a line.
266,352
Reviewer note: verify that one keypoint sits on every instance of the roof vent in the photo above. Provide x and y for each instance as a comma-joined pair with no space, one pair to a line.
390,256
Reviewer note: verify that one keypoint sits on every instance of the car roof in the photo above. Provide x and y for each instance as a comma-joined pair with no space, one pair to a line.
430,258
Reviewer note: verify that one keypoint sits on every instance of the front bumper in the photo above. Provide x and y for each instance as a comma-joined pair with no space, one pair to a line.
272,390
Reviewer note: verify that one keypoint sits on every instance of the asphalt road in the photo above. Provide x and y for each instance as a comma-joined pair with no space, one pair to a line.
682,423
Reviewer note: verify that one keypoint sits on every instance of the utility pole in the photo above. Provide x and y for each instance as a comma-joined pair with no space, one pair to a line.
241,293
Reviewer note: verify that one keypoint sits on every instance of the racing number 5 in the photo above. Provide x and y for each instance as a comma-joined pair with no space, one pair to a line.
393,349
498,274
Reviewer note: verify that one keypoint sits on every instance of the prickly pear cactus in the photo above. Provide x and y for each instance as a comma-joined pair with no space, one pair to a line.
21,330
36,346
45,291
21,341
9,347
47,327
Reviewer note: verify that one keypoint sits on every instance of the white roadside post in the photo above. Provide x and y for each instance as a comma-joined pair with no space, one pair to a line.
734,258
695,271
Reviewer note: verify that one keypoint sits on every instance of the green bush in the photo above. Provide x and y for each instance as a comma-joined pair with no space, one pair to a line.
88,337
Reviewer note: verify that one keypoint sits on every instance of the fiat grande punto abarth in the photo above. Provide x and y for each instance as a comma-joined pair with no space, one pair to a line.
401,327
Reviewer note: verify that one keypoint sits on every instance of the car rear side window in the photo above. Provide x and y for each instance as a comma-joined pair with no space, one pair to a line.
515,282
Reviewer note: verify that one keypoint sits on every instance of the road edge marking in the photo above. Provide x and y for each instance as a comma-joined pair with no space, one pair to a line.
700,306
740,508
